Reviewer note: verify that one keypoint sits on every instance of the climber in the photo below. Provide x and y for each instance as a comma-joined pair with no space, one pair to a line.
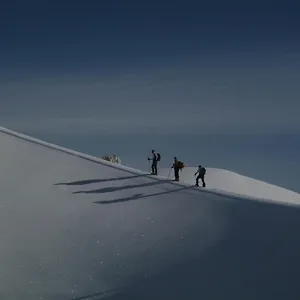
155,158
177,165
201,173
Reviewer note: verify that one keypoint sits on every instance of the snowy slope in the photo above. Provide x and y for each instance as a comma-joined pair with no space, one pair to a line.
75,227
232,182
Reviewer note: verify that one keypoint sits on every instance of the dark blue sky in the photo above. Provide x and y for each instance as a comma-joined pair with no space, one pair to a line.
227,59
152,70
75,36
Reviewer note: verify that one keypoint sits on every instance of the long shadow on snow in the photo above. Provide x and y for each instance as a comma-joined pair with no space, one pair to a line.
158,180
186,188
140,196
90,181
120,188
258,259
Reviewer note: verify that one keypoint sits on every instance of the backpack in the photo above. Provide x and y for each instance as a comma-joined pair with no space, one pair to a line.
202,171
158,156
181,165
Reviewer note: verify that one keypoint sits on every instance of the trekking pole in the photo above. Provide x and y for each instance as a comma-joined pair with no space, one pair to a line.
170,172
148,165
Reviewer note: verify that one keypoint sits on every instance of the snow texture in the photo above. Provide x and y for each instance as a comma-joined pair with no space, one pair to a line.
77,227
233,183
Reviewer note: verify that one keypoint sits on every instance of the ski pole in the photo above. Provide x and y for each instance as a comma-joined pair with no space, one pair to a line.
169,172
150,168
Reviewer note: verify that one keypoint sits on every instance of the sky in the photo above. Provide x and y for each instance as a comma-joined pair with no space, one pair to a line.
136,74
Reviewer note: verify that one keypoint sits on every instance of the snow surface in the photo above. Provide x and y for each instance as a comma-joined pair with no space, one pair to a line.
233,183
77,227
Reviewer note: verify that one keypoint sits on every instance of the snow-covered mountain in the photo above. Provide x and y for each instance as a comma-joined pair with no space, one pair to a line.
76,227
233,183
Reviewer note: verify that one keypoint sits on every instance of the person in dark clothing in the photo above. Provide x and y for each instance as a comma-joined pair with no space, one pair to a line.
201,173
154,162
176,167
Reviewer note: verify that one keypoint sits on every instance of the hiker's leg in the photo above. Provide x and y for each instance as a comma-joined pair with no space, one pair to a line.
203,182
152,168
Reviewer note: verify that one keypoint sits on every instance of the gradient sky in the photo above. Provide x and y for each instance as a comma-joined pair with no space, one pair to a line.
159,67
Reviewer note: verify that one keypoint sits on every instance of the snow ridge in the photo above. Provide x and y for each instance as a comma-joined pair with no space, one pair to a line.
231,183
186,177
73,226
69,151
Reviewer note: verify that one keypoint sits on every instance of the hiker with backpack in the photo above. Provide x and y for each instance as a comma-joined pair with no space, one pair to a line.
155,158
201,173
177,166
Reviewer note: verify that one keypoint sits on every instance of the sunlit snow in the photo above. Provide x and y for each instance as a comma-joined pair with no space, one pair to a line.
76,227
